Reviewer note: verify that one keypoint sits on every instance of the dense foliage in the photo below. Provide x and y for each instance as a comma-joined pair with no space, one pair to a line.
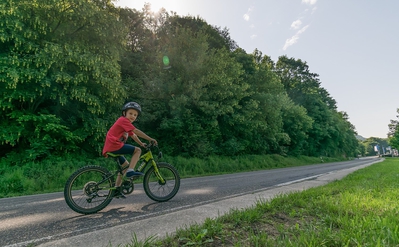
393,134
66,67
369,146
59,75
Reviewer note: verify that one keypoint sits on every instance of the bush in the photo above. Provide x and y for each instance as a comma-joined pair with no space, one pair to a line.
12,183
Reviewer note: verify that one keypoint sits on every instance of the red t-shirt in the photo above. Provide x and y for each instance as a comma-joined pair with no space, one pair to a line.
113,140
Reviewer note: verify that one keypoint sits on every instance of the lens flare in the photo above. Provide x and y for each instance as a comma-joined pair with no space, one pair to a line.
165,60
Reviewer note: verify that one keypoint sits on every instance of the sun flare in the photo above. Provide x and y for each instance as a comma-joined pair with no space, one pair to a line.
156,5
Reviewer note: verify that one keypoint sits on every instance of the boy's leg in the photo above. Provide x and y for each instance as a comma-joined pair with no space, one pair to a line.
118,192
132,164
126,149
123,161
135,157
118,181
136,152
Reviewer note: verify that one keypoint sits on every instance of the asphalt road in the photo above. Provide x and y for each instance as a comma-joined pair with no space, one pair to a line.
40,219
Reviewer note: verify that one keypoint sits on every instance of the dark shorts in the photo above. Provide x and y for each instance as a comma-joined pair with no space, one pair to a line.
126,149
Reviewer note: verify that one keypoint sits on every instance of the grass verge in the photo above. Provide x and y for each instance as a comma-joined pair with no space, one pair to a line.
359,210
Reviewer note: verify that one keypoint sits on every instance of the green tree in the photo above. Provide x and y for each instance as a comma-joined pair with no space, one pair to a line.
297,125
343,136
256,126
331,133
183,100
303,87
393,134
59,75
67,67
371,142
293,121
203,87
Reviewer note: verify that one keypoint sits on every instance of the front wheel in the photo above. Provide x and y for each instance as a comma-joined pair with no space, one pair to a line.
89,189
157,189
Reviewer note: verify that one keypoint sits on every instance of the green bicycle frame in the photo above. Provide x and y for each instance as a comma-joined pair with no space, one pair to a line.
146,159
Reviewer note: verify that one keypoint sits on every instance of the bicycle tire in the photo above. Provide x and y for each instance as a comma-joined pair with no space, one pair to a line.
161,192
82,192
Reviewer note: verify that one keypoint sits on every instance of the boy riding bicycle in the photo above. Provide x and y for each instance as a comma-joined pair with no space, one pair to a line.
116,138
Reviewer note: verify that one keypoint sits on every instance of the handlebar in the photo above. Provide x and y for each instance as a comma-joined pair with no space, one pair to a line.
152,144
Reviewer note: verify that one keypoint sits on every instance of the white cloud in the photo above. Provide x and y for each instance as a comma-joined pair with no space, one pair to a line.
296,24
289,42
303,29
246,15
310,2
254,36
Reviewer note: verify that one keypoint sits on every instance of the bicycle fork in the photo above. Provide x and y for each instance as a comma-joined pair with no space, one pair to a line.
148,157
161,180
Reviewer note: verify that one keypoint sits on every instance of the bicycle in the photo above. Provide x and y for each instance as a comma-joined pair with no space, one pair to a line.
91,188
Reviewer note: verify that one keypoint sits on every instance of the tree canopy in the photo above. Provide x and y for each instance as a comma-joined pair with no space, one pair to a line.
393,134
66,67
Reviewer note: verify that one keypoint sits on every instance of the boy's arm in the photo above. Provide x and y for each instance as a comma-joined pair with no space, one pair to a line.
136,139
144,136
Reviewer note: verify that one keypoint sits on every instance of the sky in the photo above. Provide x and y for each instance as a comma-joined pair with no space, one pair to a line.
353,45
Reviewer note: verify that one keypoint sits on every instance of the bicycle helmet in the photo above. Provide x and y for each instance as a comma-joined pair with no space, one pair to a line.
131,105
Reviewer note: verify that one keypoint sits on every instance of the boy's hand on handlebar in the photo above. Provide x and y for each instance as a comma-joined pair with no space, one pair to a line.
154,142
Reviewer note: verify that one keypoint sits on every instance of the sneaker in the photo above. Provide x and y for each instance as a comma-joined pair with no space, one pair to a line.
118,193
131,173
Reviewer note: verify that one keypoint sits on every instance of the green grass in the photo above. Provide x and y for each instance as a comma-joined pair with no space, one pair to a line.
50,175
41,177
362,209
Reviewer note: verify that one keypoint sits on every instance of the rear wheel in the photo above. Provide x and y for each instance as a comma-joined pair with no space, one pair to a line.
89,189
158,190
